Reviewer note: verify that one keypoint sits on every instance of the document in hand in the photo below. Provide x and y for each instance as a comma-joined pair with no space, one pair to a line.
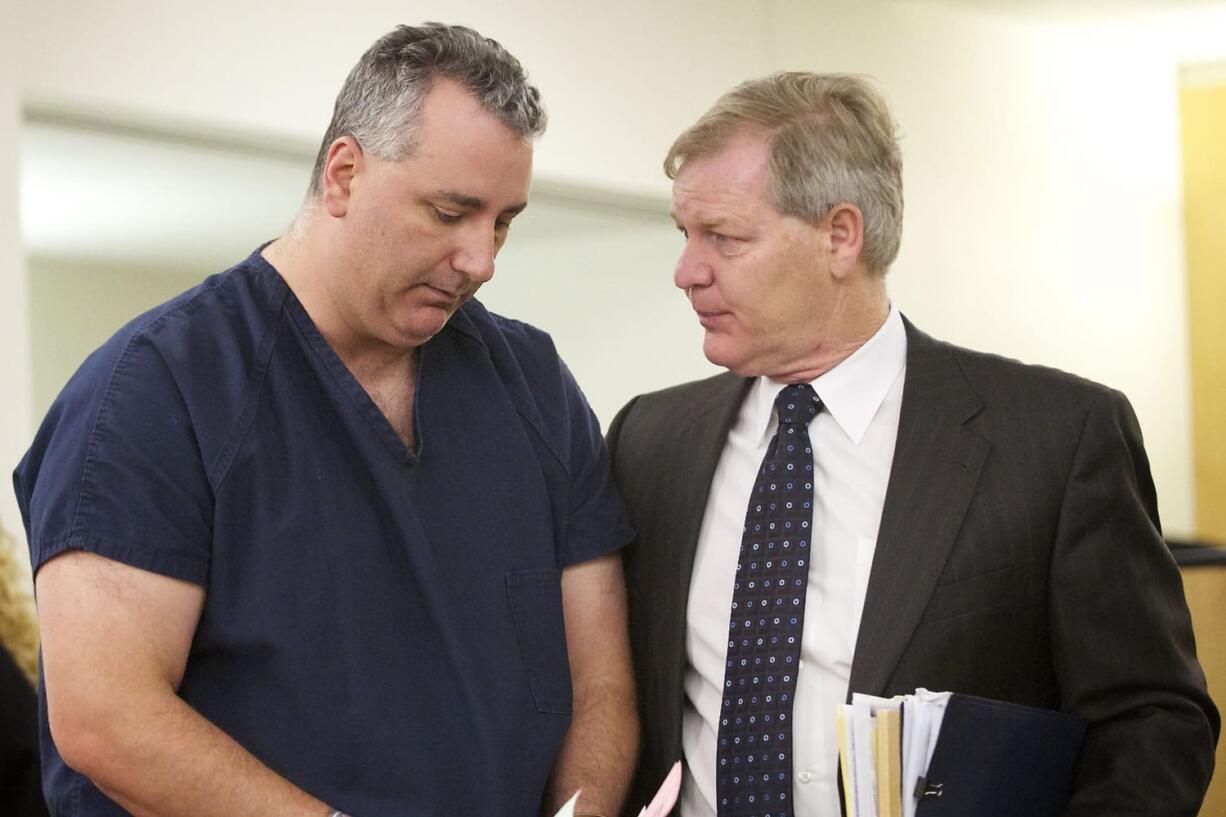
660,805
941,754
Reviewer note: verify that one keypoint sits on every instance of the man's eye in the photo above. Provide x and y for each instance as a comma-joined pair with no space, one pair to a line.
446,217
502,226
684,232
728,244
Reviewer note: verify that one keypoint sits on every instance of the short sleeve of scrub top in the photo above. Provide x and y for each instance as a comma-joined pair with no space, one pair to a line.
119,471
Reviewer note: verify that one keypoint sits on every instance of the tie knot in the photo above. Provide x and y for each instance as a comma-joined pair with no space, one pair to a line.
797,404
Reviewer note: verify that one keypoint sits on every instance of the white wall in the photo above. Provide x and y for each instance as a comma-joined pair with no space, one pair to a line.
15,416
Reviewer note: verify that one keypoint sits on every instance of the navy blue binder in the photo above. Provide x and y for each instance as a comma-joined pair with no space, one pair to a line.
997,759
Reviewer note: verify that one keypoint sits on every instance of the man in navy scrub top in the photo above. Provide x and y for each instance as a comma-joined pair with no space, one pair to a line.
322,535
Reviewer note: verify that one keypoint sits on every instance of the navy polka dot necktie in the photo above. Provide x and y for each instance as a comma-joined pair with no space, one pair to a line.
754,755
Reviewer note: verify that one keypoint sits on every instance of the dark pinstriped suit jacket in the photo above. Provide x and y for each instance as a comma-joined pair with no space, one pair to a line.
1019,558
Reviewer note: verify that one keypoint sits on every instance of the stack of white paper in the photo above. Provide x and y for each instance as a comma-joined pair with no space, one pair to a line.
923,713
864,758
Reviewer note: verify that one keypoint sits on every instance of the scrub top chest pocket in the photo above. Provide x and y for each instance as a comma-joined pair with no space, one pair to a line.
535,597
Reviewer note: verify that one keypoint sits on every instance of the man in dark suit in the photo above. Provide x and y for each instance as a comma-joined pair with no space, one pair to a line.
858,507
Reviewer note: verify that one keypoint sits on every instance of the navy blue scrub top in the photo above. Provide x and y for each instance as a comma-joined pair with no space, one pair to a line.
382,628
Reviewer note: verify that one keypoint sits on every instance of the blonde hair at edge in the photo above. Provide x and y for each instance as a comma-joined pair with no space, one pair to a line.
18,625
831,140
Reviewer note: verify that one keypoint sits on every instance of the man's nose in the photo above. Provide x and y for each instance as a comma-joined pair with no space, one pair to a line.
692,269
474,258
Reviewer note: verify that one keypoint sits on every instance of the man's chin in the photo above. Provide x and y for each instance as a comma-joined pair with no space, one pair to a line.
740,361
420,330
717,350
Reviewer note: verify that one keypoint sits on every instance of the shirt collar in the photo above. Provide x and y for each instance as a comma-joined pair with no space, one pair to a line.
852,391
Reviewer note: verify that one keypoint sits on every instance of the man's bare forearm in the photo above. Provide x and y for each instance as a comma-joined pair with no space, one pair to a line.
171,762
599,751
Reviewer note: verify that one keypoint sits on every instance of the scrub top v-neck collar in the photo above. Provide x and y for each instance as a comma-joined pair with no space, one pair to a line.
357,395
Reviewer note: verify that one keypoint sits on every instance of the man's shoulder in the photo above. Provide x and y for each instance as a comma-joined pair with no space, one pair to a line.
224,319
195,355
156,403
687,396
528,366
227,312
997,378
656,415
503,336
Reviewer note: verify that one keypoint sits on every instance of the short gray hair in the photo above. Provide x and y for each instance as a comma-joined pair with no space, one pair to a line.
831,140
380,101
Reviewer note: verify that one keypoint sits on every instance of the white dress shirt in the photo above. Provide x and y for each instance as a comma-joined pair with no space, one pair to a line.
853,448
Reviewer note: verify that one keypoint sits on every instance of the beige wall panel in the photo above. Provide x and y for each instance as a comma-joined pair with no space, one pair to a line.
1203,109
1206,591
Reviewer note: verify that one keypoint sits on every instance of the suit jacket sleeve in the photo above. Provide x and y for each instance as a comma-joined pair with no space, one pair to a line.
646,766
1121,633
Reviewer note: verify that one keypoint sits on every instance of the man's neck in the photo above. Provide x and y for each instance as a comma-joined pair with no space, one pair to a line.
302,266
392,386
388,374
851,324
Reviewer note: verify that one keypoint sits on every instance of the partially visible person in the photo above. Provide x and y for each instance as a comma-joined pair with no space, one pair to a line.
323,534
20,784
18,624
856,506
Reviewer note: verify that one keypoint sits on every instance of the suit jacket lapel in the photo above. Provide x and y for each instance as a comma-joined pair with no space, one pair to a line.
937,463
700,444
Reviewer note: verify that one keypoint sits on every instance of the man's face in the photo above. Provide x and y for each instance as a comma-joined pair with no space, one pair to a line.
421,233
755,277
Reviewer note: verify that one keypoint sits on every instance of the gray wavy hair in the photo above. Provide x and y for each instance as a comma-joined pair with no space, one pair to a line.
831,140
380,101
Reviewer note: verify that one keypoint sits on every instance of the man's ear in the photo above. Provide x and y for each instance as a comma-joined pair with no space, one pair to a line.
342,163
846,227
